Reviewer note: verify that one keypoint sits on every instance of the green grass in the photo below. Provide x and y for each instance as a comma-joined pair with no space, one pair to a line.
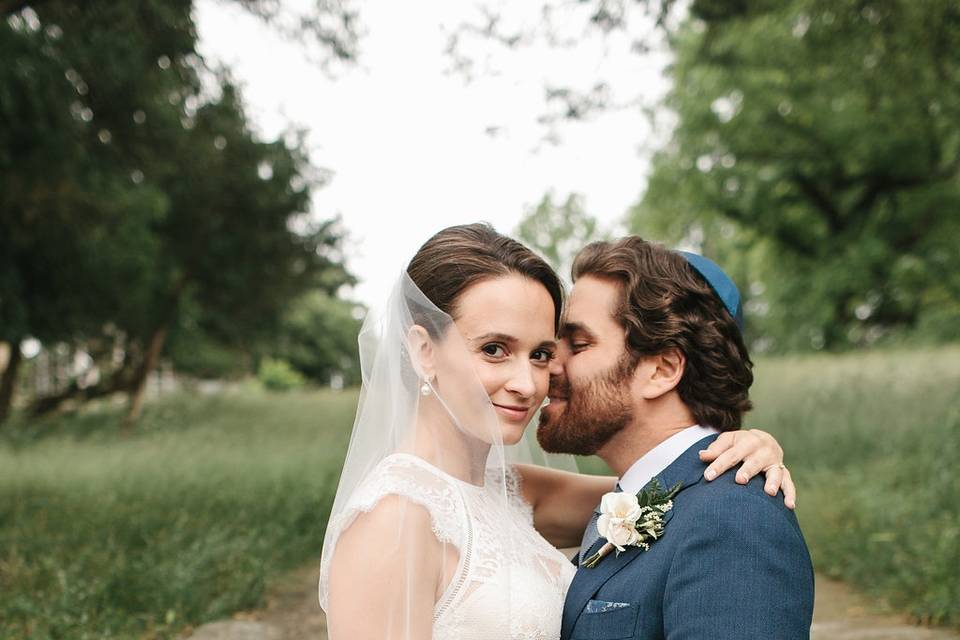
109,537
874,441
186,521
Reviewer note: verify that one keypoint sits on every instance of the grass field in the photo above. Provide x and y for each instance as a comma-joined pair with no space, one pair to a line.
102,537
186,521
874,441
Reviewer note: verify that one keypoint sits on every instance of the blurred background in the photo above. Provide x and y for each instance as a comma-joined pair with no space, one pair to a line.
201,199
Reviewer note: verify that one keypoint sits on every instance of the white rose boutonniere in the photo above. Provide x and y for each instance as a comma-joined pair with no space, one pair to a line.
617,523
632,520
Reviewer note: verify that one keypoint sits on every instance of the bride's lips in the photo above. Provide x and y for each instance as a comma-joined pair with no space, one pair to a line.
512,412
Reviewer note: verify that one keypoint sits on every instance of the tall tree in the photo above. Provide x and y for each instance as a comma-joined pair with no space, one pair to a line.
124,187
825,135
228,239
63,194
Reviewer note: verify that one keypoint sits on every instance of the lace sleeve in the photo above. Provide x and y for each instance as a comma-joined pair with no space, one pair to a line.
413,480
416,480
404,476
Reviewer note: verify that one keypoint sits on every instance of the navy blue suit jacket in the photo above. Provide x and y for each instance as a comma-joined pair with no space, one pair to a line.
732,563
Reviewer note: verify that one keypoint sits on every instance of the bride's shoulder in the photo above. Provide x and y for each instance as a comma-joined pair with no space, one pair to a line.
401,481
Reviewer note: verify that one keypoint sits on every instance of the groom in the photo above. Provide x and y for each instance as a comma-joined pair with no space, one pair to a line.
654,368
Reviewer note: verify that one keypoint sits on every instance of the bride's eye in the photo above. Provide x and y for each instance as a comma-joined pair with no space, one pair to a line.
542,356
494,350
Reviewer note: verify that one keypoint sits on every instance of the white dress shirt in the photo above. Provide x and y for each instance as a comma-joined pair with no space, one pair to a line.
661,457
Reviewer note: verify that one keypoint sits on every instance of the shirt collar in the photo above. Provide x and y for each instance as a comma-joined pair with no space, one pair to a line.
661,457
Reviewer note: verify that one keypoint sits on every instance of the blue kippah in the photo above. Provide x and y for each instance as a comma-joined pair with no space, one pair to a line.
721,284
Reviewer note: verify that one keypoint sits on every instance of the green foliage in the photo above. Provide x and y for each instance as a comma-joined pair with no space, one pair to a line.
817,149
135,198
278,375
74,224
318,336
558,231
182,524
194,353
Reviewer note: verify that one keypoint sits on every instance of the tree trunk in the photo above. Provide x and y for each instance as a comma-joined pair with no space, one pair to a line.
8,383
138,385
119,381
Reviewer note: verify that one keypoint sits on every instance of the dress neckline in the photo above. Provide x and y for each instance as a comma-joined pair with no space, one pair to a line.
432,467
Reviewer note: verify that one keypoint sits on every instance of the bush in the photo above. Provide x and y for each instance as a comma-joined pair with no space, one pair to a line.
278,375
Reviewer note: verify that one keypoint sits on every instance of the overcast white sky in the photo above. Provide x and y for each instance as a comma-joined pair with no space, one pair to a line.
409,143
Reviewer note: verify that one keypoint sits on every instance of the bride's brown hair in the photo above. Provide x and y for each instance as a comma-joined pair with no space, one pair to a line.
460,256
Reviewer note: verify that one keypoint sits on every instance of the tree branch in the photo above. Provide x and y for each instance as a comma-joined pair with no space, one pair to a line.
820,200
10,7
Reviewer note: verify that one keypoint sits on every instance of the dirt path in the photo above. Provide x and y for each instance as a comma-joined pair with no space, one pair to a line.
292,613
841,614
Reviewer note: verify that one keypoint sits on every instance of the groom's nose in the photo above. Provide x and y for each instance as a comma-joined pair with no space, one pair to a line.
560,358
556,363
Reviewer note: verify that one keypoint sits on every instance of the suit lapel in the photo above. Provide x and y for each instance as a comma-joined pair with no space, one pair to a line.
688,471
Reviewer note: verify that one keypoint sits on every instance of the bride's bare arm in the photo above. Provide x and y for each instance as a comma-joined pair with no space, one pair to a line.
563,502
385,575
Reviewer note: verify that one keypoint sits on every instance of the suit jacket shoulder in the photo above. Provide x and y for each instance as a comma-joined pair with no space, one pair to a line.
742,502
740,568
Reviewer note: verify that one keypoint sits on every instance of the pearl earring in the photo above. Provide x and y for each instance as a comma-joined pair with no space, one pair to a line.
425,389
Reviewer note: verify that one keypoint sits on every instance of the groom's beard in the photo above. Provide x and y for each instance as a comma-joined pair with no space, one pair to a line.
595,412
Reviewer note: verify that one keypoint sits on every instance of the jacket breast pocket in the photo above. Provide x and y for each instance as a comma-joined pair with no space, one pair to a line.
602,620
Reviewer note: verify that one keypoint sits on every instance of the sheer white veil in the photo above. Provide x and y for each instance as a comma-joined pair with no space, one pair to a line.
422,399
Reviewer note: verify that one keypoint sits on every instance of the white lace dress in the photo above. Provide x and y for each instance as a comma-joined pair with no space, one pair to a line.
500,551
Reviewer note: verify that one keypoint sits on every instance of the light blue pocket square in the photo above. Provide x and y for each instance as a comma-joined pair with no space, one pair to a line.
602,606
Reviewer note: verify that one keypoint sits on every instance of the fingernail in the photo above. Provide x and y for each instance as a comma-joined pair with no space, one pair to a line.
702,451
741,478
710,474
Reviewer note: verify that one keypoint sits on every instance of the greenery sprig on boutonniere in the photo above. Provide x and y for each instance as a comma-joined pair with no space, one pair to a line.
632,520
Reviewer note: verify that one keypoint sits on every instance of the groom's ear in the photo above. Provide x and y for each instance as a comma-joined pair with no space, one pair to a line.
663,373
422,352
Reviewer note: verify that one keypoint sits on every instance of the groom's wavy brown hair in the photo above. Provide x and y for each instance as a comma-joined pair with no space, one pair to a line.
667,304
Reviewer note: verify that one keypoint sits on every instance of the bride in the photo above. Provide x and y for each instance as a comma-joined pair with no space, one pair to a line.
441,526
